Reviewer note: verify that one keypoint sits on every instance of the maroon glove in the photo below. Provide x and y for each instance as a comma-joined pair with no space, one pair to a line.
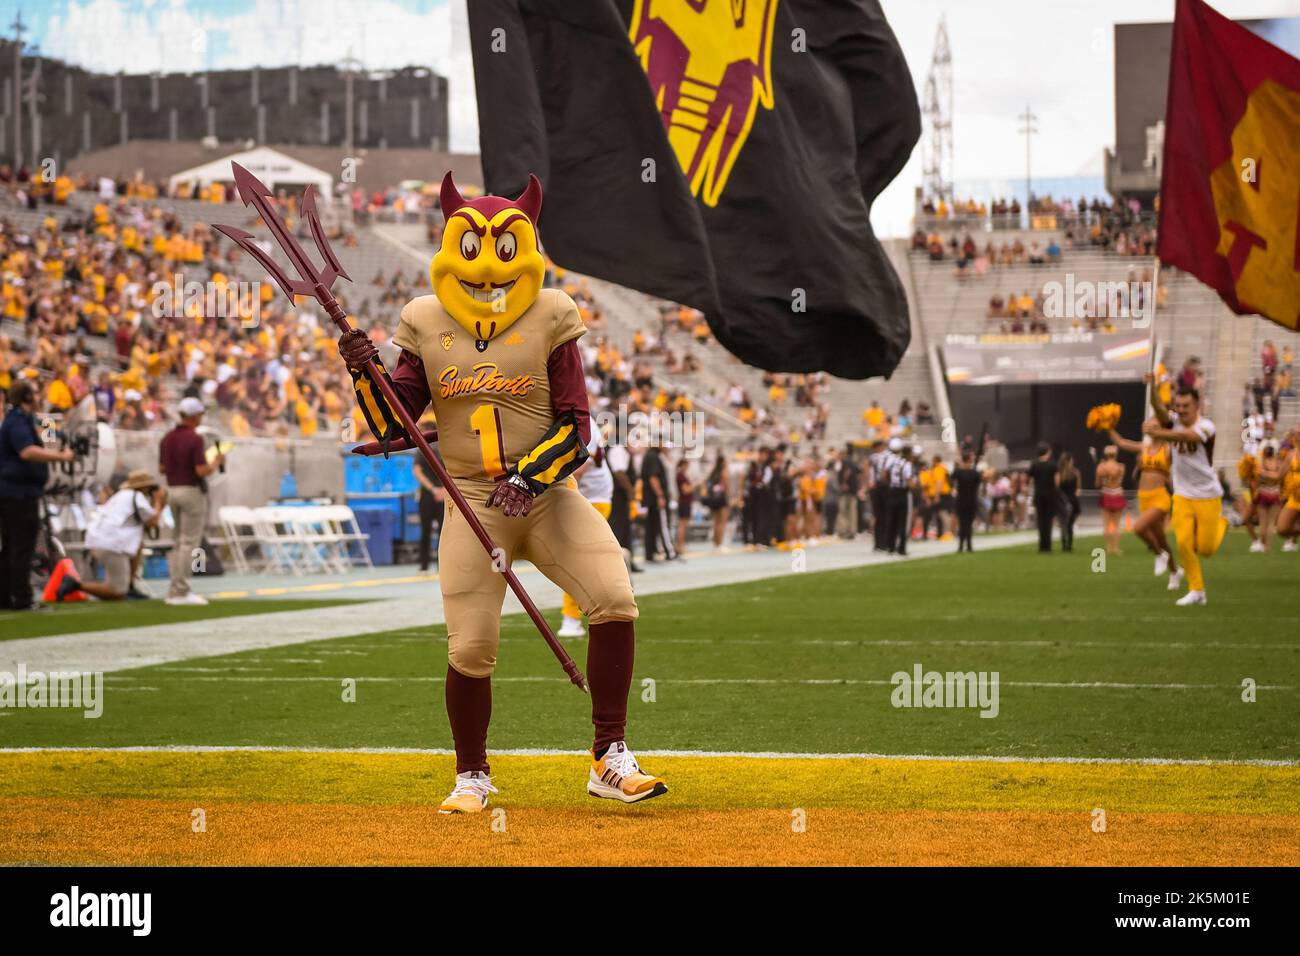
513,495
356,348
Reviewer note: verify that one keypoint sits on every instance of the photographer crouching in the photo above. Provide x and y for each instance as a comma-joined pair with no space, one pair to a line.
24,472
115,537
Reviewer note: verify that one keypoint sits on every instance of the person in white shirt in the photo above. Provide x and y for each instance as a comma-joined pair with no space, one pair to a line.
1197,518
115,535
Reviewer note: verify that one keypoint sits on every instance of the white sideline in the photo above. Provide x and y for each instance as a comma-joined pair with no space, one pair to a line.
183,674
740,754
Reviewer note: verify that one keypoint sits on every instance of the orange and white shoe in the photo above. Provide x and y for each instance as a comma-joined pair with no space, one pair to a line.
617,776
470,795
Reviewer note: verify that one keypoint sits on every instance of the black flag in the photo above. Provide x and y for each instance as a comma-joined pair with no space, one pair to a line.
723,154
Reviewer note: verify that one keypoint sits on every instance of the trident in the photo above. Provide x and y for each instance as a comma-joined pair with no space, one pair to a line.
316,283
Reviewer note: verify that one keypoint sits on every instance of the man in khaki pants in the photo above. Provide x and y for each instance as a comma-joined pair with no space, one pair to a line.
184,464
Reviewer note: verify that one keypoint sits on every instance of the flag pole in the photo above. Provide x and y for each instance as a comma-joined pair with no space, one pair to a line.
1151,337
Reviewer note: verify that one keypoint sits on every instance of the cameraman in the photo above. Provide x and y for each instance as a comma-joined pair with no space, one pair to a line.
116,535
24,472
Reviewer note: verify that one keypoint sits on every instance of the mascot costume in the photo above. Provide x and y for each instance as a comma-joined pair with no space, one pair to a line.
497,356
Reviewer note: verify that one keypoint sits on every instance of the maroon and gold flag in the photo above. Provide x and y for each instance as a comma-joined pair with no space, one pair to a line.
1230,194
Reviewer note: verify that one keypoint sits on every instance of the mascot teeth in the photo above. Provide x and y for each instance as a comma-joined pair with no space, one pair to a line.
482,295
486,295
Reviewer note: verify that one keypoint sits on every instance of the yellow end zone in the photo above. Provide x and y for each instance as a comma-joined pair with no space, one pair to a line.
341,807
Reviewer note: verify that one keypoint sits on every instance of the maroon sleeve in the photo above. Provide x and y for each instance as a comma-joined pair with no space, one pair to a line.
411,384
569,387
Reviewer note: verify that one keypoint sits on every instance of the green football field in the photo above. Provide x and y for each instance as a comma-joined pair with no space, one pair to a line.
1091,663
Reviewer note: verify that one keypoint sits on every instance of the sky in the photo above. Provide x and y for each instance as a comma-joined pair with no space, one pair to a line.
1054,55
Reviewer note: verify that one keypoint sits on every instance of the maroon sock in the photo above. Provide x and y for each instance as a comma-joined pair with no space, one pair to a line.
469,708
610,649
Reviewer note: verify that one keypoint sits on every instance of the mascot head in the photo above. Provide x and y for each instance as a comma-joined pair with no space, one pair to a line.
489,268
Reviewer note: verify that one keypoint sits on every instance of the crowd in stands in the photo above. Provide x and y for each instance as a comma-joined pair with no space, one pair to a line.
1262,400
881,426
958,209
1024,313
622,377
94,308
1122,229
89,300
970,259
1077,216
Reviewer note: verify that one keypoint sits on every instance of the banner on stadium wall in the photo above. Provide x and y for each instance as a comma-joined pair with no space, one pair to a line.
1041,359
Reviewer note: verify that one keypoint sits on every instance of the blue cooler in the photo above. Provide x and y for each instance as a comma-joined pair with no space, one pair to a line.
381,525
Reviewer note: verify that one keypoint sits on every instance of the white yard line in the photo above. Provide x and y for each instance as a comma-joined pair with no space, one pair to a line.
740,754
759,681
420,607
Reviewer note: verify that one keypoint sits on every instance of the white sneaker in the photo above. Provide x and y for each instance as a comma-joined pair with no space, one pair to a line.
1257,547
1176,580
617,776
191,599
1192,597
470,795
1290,545
1162,563
571,627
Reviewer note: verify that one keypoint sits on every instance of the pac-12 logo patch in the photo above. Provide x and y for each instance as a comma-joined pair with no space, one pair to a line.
447,339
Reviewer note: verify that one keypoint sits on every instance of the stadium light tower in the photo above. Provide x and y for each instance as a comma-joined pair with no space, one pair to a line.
1027,131
350,65
937,114
19,28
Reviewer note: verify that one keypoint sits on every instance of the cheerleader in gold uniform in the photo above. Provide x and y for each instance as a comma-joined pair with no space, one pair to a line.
1248,471
1288,520
1154,502
1267,494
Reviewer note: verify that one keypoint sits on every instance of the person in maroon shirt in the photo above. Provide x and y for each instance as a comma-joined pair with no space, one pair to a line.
185,467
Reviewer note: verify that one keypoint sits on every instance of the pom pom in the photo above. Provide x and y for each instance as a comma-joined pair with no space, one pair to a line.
1103,418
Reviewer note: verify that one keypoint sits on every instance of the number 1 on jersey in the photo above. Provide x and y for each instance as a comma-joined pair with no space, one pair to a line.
486,422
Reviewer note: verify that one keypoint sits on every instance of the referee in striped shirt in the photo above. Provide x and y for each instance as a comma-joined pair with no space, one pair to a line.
876,484
898,497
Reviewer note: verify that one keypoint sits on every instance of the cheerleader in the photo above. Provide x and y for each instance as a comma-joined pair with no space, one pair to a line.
1110,480
1288,521
1267,494
1154,502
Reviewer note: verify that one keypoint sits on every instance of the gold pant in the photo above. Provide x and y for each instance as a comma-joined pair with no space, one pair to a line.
563,536
570,607
1198,525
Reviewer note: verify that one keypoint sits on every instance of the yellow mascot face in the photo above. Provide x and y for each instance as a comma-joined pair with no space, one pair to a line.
489,268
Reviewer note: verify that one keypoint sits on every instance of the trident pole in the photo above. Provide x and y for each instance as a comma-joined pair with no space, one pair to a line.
316,283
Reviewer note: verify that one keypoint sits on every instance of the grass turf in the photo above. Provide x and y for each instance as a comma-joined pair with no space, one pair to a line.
800,663
357,809
87,616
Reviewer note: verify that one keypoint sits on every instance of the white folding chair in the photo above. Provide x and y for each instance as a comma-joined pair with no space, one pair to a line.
317,533
279,539
344,523
239,526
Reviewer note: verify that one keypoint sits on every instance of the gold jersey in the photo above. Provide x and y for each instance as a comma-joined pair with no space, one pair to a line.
492,407
1157,460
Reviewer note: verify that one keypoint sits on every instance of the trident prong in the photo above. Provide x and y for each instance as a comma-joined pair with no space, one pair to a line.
253,192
